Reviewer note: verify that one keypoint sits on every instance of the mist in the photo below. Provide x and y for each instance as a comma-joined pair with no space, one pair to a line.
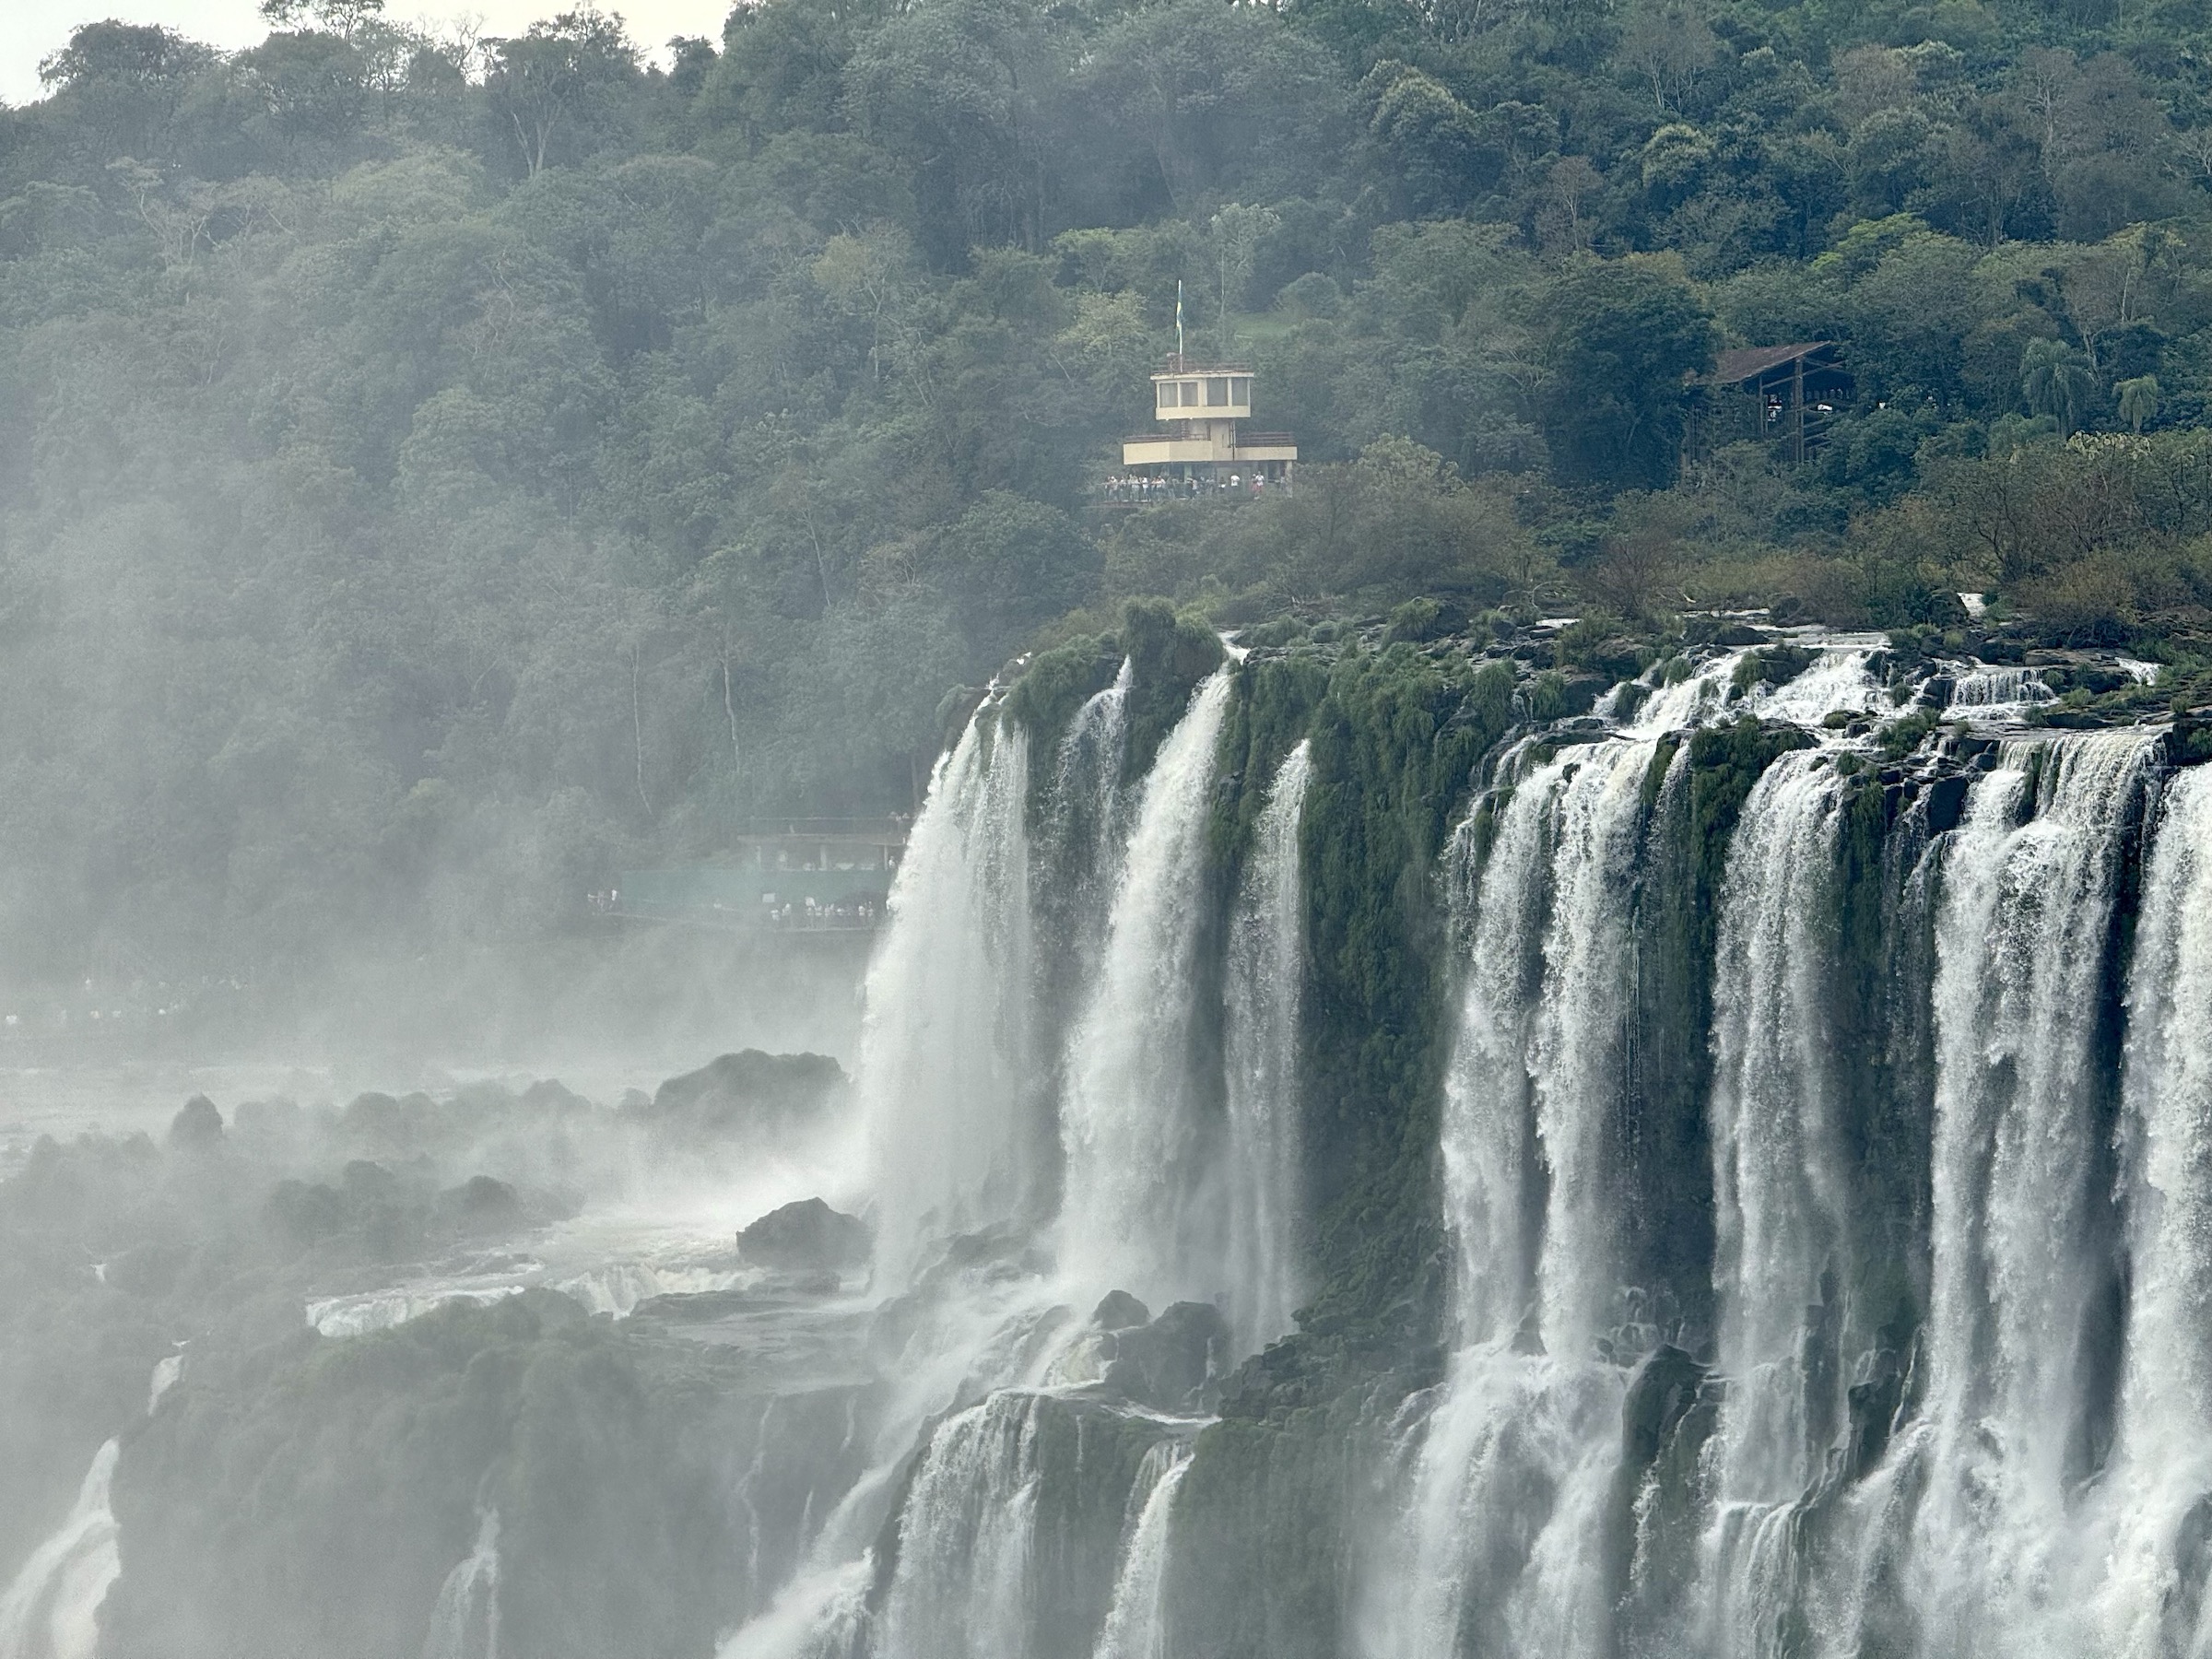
1112,830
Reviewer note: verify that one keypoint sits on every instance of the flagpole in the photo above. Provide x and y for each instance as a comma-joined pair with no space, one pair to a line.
1180,361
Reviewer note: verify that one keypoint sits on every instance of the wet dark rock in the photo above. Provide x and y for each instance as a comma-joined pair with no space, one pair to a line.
746,1093
2190,741
1171,1363
1582,690
1119,1312
481,1201
1947,803
550,1096
197,1127
1660,1395
807,1235
147,1270
1873,1407
2193,1561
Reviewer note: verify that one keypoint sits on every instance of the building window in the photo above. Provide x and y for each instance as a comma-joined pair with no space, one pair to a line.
1189,395
1216,393
1169,397
1240,391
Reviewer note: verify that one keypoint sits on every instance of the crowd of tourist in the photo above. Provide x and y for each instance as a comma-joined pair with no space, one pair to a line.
1149,487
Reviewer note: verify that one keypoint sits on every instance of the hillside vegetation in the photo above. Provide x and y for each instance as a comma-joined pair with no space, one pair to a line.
435,473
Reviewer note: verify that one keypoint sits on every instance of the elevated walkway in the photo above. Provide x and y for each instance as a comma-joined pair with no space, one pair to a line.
795,875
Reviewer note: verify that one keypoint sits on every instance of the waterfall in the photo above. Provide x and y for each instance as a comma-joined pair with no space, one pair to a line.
1266,968
963,1580
1781,1213
464,1623
2023,952
166,1377
1517,1458
52,1610
1576,1035
2152,1582
949,1073
1071,878
1137,1623
1129,1119
1089,771
1837,682
1999,690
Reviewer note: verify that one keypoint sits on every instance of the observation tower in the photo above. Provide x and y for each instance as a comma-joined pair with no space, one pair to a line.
1202,405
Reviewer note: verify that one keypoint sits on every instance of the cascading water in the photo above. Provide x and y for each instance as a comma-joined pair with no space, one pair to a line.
2024,949
1898,1045
1132,1220
1516,1461
948,1075
1782,1217
1837,681
1998,690
1266,966
1137,1623
464,1624
964,1580
1840,1483
2150,1594
1071,875
52,1610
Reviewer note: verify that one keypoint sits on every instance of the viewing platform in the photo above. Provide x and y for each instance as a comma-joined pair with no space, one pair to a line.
795,875
1203,450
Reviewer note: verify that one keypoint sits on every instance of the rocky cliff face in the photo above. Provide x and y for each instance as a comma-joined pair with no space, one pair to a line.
1703,1157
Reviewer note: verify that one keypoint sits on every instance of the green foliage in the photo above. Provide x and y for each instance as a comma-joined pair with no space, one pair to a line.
1169,654
504,467
1059,682
1623,337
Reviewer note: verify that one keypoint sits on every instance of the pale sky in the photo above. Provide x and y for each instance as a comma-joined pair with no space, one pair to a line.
29,29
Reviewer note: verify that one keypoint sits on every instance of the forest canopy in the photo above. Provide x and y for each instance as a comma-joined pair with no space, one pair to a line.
439,471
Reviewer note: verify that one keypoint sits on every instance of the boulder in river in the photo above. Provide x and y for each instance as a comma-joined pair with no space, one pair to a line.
745,1095
805,1236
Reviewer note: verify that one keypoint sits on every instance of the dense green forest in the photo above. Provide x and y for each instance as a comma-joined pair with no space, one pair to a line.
437,472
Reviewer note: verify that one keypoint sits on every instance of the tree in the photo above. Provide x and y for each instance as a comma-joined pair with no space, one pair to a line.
119,85
1669,45
311,84
1440,153
2055,380
1561,220
1227,98
563,80
2139,400
964,95
1625,336
1238,232
343,19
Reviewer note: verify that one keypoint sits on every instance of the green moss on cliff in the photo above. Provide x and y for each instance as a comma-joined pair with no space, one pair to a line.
1169,654
1698,798
1058,683
1395,742
1273,704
